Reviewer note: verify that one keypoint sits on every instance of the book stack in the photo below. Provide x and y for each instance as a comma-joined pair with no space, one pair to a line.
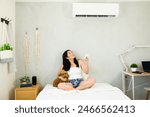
26,85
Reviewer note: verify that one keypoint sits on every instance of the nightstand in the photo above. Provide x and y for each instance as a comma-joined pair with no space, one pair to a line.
27,93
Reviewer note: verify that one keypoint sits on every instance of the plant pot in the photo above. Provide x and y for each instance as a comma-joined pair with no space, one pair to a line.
24,83
6,56
133,69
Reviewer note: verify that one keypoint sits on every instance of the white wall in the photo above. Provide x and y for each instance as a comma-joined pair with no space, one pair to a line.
7,80
102,38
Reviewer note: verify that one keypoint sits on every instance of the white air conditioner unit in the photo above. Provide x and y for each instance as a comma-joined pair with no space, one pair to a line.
95,9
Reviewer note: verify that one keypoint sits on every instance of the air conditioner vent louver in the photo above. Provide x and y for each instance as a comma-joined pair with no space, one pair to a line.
95,15
95,9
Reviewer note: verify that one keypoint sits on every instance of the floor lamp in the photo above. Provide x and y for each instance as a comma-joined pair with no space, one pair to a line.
127,52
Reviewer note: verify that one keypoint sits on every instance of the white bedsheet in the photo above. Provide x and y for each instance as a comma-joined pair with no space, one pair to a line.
100,91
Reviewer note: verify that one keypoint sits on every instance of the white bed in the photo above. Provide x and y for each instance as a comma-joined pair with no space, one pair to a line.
100,91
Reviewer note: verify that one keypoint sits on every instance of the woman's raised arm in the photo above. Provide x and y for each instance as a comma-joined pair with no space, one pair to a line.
83,63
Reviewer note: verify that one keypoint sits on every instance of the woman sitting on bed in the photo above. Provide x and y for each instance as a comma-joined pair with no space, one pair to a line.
74,68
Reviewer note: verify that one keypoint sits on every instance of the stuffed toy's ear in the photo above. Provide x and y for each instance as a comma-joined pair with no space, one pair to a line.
56,82
84,75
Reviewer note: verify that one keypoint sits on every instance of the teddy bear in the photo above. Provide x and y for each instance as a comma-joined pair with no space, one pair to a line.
62,77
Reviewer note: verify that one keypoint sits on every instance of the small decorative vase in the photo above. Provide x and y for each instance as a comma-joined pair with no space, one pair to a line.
133,69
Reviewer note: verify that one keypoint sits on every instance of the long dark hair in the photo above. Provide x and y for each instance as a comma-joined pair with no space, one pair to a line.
66,62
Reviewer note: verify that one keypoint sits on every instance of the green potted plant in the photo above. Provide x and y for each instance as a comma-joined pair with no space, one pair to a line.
6,53
134,67
25,80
